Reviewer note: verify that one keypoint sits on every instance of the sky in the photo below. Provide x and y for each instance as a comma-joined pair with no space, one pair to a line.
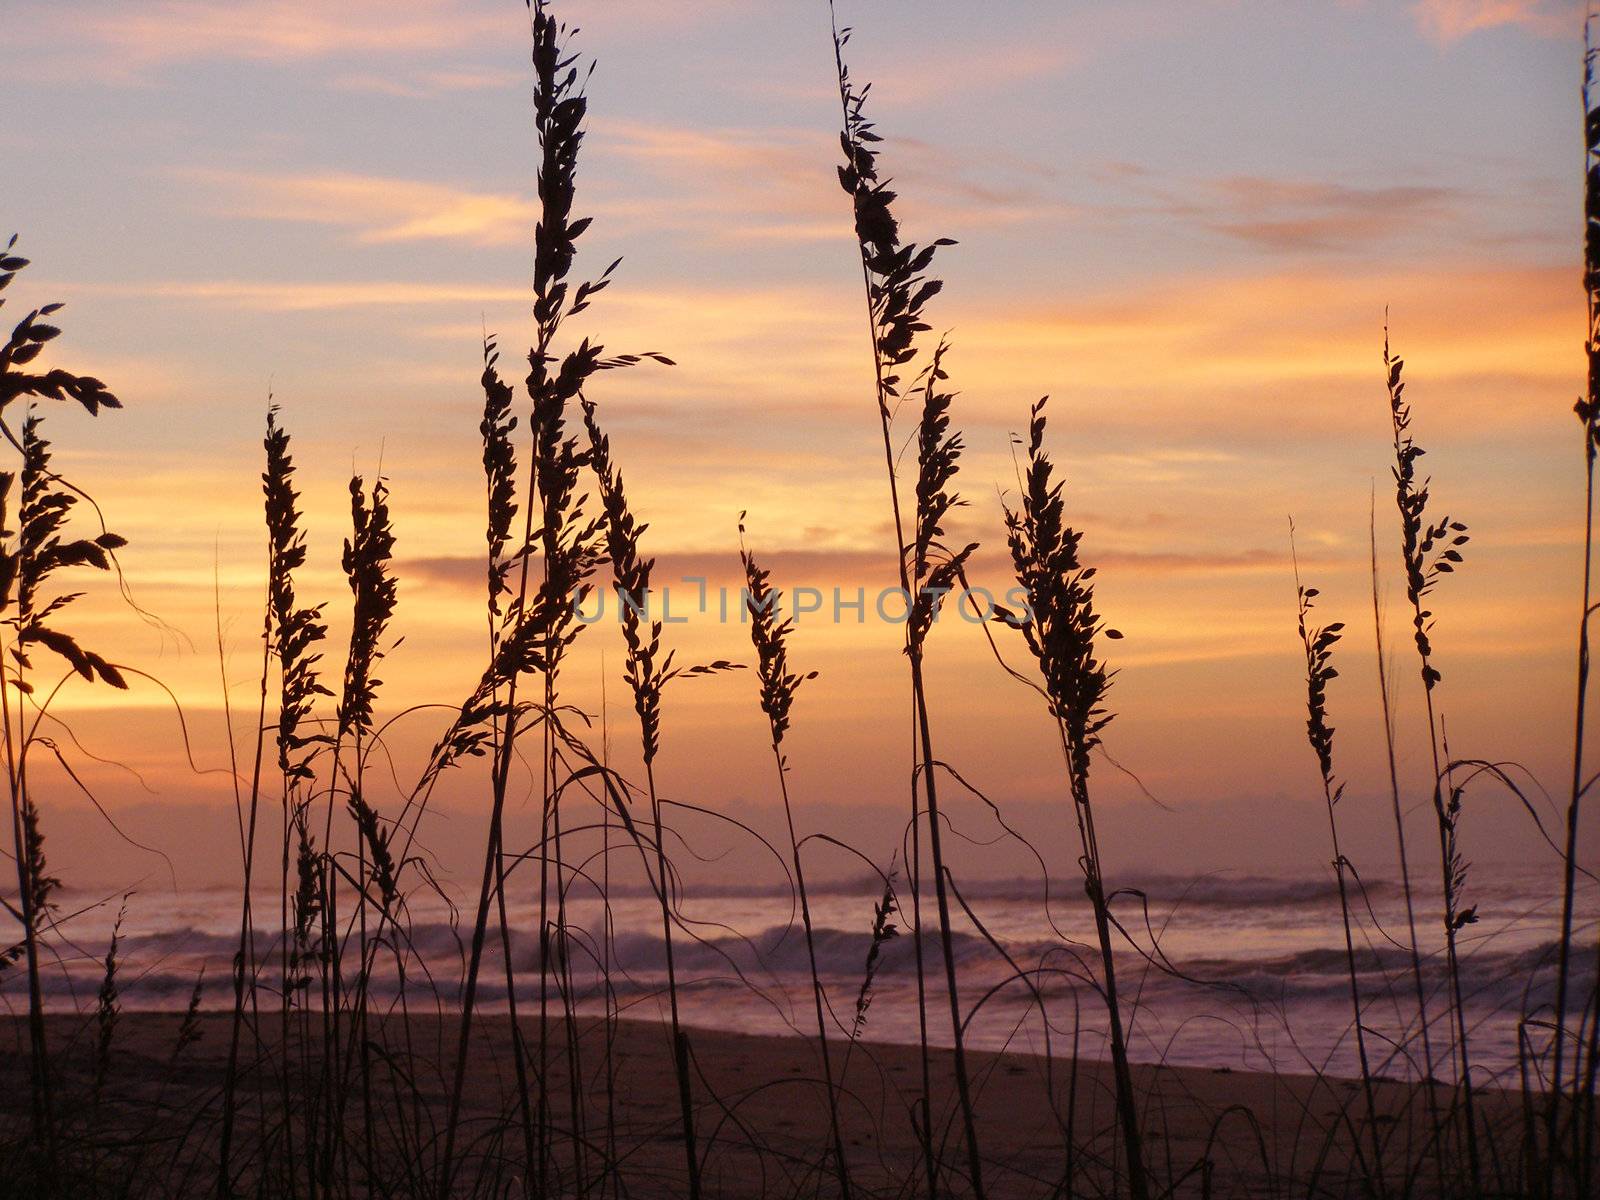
1185,222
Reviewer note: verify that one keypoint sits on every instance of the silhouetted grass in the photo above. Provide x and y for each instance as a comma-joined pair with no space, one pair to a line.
1318,642
897,288
35,552
352,1058
1060,627
1578,1147
770,634
1429,546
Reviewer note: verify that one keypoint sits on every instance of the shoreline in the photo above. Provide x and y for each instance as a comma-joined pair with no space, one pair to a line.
761,1109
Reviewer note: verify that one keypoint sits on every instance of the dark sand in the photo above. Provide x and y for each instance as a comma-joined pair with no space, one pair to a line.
760,1111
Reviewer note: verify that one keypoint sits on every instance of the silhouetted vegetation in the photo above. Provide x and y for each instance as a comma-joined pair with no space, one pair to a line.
360,1049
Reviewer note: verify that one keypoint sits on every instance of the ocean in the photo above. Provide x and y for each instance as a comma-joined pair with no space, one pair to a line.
1220,971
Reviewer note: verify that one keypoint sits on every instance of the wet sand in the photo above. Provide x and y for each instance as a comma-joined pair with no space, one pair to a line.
1045,1127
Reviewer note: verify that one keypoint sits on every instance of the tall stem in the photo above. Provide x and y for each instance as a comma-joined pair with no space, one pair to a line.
816,978
924,1125
1569,858
1452,961
38,1048
680,1044
493,865
1430,1082
1127,1109
917,719
605,946
245,957
946,938
1589,411
1339,867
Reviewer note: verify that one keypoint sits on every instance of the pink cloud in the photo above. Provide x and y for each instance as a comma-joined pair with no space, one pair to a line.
123,43
422,84
1289,215
379,209
128,39
1451,20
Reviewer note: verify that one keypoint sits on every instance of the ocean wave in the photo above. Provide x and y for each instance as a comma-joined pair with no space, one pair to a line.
162,967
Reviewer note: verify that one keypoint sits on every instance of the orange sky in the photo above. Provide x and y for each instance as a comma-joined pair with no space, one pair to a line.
1184,222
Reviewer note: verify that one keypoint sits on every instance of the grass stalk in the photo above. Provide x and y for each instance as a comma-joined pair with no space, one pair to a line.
295,632
35,551
1060,628
893,276
1430,549
1413,946
1588,412
770,635
560,107
500,465
647,672
1318,643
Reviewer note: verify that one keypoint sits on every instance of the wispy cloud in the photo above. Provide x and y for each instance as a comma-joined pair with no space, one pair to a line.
1230,339
742,184
725,183
127,40
728,186
125,43
424,83
1292,215
310,296
1451,20
378,209
1301,344
1300,324
717,185
733,184
898,85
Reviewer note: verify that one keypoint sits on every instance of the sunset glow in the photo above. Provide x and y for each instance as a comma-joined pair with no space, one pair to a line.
1197,226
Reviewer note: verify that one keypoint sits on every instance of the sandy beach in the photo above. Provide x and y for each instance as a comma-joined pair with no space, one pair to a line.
760,1110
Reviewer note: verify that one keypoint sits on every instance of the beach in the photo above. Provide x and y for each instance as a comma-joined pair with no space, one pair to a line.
760,1110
